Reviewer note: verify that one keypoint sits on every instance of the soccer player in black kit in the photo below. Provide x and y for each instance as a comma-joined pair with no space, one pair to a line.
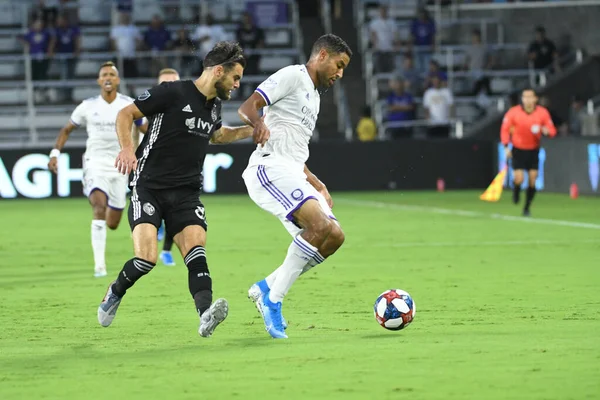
183,117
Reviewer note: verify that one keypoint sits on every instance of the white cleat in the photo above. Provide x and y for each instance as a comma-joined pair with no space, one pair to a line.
99,272
108,308
212,317
255,295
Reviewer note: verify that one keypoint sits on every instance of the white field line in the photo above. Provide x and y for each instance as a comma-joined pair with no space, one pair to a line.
486,244
464,213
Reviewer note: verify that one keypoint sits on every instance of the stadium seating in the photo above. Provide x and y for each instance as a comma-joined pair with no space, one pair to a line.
281,49
453,36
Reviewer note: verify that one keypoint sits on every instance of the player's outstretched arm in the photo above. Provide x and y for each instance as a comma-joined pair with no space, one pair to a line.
229,134
62,138
248,112
317,184
126,160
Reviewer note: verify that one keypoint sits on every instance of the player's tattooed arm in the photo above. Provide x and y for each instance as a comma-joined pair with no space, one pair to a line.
62,138
228,134
317,184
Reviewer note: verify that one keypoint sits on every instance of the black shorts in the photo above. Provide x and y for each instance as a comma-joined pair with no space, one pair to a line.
177,207
525,159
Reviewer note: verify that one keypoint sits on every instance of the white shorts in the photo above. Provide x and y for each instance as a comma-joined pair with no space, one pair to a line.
281,192
110,182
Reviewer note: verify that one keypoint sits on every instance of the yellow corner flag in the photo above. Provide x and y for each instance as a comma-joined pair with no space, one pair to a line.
494,191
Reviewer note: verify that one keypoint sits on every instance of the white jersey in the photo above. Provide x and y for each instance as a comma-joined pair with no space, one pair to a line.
99,117
291,115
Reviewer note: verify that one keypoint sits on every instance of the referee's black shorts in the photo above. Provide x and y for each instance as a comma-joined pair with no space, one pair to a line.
525,159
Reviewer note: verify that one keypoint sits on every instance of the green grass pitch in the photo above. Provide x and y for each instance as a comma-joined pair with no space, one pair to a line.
507,308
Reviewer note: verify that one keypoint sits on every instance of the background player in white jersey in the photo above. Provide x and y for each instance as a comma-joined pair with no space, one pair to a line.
103,185
277,178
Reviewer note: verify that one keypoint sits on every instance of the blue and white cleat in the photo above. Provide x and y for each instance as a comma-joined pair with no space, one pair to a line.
108,308
166,257
256,293
271,313
161,233
211,318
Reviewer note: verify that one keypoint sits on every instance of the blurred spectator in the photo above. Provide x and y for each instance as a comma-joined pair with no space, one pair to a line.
435,72
577,115
556,120
70,10
157,39
412,77
482,92
46,11
542,51
478,59
366,128
423,38
438,102
120,7
383,31
401,108
185,47
68,48
124,6
206,36
125,39
250,37
39,42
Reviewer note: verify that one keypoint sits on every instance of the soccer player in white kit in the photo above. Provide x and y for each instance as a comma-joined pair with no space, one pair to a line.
277,177
103,185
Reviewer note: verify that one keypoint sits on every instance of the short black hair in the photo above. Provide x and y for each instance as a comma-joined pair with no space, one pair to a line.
540,29
107,64
225,53
332,44
527,89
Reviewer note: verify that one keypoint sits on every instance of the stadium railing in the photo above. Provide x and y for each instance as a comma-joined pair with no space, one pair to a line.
451,57
20,115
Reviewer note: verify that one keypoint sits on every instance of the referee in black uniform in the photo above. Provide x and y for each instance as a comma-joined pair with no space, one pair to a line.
184,116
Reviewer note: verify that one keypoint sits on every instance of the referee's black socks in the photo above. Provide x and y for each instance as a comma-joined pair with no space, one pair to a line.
199,278
133,270
516,193
530,195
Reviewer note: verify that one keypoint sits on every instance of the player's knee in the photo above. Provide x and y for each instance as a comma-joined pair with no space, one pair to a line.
99,211
321,228
337,236
112,224
147,253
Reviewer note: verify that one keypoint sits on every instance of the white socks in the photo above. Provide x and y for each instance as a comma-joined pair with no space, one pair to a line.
99,242
301,255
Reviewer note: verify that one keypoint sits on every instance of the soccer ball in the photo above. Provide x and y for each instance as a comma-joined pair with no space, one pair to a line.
394,309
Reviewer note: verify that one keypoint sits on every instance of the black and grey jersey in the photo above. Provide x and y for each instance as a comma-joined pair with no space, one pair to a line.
181,122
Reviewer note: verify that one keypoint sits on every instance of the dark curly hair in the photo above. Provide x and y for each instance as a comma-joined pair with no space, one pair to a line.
226,54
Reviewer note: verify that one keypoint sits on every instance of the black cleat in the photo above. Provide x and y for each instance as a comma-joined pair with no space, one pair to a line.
526,213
